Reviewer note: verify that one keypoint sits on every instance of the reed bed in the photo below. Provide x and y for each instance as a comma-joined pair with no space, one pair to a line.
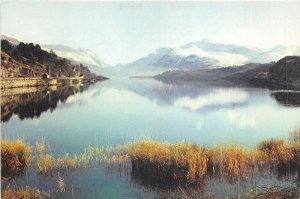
15,157
157,164
183,163
48,164
275,151
187,164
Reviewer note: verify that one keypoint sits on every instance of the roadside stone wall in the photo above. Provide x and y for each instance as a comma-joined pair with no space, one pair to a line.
21,82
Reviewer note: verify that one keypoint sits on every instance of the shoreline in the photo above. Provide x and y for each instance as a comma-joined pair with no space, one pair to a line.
27,82
170,165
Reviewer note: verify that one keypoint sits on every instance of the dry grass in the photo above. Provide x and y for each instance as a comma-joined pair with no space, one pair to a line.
163,165
182,163
24,193
295,136
275,151
278,193
61,184
92,155
186,164
15,157
231,160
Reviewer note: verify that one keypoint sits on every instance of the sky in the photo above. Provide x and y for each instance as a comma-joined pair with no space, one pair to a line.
120,32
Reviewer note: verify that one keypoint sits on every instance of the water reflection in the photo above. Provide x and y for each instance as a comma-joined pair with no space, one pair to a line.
121,111
279,175
287,98
32,102
202,96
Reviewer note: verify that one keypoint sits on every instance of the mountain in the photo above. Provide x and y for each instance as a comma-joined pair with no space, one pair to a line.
75,55
30,60
203,54
278,52
13,41
248,74
283,74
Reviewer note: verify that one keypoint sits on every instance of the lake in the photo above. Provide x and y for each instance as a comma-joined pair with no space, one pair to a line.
120,111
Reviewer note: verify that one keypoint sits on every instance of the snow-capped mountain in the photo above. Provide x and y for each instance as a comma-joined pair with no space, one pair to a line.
83,56
14,41
201,55
278,52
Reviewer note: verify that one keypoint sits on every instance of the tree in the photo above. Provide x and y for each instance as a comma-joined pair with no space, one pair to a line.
6,46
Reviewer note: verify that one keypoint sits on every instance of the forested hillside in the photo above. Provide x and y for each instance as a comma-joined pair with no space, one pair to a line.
32,61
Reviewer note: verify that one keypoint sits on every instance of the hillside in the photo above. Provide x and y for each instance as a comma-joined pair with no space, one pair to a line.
29,60
241,75
75,55
284,74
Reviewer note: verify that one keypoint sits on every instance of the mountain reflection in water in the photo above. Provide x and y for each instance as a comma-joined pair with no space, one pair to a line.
32,102
287,98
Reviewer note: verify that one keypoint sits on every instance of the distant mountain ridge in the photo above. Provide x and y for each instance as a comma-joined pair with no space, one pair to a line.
203,54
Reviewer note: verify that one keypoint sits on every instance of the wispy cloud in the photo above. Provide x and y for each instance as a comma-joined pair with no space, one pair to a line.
241,119
219,97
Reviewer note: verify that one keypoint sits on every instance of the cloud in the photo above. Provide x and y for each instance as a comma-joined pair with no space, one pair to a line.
265,37
218,97
241,119
200,31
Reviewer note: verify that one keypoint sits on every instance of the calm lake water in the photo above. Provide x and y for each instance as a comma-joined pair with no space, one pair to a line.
126,110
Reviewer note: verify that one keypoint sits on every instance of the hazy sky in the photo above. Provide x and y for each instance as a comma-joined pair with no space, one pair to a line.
123,31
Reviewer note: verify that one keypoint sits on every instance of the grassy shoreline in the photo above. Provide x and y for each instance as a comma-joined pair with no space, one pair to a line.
158,164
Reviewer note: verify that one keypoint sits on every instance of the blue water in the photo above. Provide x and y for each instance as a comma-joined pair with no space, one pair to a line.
121,111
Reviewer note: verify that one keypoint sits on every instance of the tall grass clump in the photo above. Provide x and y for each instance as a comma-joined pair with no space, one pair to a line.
164,163
44,159
231,160
15,157
275,151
